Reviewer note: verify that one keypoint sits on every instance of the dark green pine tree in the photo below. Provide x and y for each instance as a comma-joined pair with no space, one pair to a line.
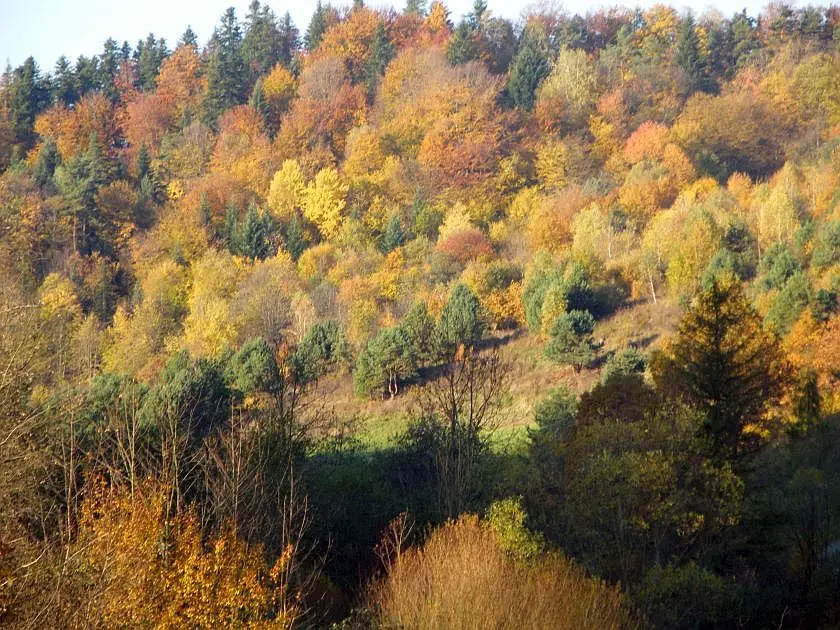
317,27
253,237
381,53
257,100
30,95
189,38
109,66
688,53
150,55
462,46
64,88
48,160
745,39
415,7
394,236
226,69
231,235
261,46
144,163
289,40
205,213
476,17
570,342
295,240
80,180
87,75
461,320
529,67
125,52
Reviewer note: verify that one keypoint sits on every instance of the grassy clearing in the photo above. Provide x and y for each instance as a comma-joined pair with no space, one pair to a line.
532,375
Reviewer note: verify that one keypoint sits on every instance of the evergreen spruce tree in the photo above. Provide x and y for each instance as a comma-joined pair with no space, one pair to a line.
150,54
415,7
688,53
724,362
225,69
289,40
529,67
257,100
78,182
189,38
381,53
205,213
317,27
462,46
144,164
253,237
295,239
232,228
29,97
87,75
109,65
394,235
48,160
64,89
261,45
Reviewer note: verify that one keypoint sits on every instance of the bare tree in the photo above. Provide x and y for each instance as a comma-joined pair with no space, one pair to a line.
465,406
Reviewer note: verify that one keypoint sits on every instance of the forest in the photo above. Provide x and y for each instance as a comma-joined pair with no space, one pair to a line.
413,320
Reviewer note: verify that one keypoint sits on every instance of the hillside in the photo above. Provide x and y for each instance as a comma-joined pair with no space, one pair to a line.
295,323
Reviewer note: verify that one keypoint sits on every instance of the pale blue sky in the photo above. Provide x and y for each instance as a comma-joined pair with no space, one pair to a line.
46,29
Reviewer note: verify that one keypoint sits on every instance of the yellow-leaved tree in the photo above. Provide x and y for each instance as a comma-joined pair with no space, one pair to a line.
135,565
209,327
287,189
324,201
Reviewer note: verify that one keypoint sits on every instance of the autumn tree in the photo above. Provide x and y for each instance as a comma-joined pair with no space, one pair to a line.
672,497
324,201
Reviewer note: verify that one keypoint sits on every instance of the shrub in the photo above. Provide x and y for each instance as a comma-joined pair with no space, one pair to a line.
624,362
463,578
571,340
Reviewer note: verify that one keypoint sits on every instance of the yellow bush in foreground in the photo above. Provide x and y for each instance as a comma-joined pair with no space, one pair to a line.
462,578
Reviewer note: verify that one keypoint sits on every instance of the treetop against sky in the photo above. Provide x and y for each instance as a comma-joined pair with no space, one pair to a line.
47,29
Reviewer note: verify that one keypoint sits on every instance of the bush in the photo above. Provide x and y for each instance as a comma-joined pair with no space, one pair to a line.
624,362
789,304
571,340
777,267
556,412
461,321
463,578
685,596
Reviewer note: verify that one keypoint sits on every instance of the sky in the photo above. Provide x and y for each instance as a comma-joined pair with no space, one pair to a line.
46,29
